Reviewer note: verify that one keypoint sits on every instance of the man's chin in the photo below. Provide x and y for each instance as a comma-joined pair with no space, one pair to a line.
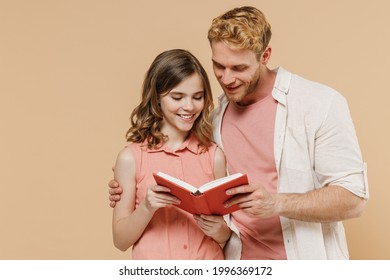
234,97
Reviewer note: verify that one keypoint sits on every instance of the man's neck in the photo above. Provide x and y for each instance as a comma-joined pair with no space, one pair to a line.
263,89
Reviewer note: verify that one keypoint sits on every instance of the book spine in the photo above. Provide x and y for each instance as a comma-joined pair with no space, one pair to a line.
201,205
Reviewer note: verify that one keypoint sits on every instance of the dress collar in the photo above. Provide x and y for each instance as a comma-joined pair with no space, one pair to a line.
191,144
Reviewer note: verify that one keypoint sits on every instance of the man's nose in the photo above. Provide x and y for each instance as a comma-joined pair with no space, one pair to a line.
227,78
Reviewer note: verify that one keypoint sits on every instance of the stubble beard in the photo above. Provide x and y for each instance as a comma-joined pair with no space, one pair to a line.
247,92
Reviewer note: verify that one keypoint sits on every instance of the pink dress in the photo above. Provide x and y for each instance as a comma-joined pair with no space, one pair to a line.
172,233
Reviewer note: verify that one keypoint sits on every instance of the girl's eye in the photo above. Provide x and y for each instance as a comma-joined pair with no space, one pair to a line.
177,98
198,97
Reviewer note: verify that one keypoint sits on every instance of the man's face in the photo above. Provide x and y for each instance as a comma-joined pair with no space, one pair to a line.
237,71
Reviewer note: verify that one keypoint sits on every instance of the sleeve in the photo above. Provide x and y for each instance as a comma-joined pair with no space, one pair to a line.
338,159
233,246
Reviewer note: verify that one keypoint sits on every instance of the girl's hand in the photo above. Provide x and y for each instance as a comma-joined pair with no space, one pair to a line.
159,197
214,226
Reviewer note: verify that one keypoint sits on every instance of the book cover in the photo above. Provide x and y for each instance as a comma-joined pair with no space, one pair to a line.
206,199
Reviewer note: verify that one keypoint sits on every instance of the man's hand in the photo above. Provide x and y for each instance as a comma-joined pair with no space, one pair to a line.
115,192
253,199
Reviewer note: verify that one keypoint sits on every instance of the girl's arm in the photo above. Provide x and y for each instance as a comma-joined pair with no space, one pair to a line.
219,164
128,222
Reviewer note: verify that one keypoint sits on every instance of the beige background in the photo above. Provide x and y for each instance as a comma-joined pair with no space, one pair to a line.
71,72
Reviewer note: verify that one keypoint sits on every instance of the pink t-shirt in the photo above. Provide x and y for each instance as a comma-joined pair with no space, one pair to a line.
247,138
172,233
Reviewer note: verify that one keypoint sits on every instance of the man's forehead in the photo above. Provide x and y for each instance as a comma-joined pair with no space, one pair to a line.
233,60
225,54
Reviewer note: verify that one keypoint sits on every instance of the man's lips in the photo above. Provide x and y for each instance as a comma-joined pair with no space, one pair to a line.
232,88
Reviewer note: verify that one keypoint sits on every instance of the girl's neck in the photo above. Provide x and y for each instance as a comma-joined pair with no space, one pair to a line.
175,140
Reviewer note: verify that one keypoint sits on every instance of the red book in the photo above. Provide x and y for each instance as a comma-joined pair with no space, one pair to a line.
207,199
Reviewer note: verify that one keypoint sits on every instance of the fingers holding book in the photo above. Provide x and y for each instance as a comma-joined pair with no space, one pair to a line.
214,226
253,199
159,197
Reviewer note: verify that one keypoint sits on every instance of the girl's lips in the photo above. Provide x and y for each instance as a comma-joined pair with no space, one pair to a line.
186,117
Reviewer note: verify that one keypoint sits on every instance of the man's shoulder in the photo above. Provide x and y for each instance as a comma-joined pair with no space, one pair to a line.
301,87
222,103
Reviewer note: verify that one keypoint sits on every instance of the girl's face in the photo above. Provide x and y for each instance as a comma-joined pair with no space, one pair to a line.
182,105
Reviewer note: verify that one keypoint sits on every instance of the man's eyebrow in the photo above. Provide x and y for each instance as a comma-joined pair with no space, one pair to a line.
233,66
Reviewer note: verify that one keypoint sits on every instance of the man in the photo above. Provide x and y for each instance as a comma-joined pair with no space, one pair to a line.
296,141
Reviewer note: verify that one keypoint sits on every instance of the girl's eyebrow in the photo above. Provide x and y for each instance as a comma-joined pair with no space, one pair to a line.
178,92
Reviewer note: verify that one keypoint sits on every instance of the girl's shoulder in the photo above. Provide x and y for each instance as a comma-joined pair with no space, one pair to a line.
127,156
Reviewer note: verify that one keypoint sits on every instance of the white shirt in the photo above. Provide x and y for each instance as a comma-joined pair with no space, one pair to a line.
315,145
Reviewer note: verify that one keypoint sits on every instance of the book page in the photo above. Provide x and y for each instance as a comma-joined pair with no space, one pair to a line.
218,182
178,182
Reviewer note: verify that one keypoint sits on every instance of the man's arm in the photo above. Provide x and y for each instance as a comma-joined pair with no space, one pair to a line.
338,167
328,204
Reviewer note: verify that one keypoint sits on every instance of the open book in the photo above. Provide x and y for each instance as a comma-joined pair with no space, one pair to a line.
207,199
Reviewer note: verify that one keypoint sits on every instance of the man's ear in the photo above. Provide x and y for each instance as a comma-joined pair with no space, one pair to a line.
266,55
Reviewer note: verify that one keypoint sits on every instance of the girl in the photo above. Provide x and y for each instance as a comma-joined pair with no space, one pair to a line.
170,132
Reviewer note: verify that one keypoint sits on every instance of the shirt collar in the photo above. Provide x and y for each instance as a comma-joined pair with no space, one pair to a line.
282,85
191,144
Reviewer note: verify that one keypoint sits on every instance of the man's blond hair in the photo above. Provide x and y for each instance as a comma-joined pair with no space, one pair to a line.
243,28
